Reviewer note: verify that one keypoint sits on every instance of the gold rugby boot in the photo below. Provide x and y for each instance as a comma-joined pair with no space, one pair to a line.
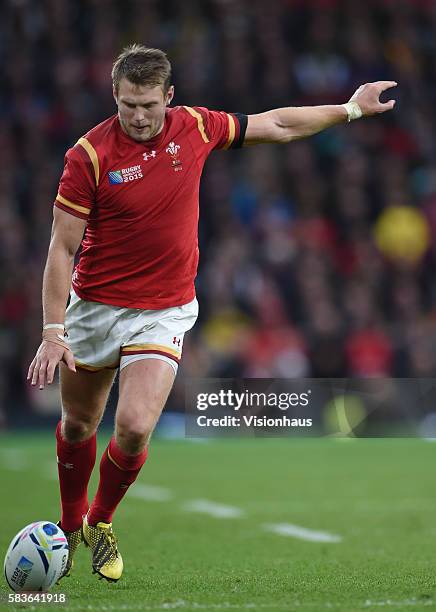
106,560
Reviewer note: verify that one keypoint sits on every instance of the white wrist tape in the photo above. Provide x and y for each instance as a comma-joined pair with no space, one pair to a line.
51,335
47,329
353,111
54,326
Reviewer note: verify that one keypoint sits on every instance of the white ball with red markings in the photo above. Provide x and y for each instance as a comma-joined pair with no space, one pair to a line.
36,557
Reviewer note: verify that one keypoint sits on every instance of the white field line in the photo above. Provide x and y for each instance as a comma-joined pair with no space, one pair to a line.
16,460
138,490
302,533
205,506
150,493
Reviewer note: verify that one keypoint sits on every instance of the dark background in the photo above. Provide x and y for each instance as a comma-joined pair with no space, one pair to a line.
318,257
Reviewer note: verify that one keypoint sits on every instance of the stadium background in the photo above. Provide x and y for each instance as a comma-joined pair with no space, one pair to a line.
317,258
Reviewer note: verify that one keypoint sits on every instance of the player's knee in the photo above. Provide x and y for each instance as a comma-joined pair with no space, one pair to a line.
77,430
133,437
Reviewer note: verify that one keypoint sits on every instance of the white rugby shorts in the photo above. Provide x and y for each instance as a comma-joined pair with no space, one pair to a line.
103,336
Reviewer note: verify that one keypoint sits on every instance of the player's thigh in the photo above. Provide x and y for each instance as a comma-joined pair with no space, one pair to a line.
84,394
144,387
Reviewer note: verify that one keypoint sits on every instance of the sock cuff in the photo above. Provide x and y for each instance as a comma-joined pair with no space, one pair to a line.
122,460
73,445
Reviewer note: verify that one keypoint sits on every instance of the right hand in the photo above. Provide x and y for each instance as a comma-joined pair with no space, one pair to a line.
367,97
47,357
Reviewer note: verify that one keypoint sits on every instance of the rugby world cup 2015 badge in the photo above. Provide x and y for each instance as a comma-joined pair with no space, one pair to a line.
125,175
115,177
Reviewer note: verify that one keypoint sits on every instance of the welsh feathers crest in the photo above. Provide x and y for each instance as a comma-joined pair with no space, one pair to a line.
172,149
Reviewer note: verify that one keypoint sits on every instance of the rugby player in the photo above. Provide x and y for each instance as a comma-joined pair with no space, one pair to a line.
128,196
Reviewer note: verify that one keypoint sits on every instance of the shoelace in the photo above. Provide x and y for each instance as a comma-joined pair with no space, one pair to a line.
111,540
100,558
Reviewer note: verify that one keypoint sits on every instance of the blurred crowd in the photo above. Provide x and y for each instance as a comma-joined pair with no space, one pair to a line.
317,257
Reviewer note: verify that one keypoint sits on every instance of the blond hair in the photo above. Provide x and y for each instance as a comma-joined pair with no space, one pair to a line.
142,65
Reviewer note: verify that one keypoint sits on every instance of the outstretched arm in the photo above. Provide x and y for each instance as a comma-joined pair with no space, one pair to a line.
282,125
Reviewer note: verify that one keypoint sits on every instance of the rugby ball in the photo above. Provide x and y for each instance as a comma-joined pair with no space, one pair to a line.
36,557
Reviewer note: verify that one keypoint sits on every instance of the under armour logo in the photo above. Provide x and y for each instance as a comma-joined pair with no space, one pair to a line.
68,466
148,156
176,341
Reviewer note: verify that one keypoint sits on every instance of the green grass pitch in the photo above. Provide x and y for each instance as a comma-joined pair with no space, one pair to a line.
378,496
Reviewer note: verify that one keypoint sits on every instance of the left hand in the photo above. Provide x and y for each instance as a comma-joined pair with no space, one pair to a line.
367,97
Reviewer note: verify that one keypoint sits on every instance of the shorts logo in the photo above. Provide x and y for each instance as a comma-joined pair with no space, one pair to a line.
176,340
125,175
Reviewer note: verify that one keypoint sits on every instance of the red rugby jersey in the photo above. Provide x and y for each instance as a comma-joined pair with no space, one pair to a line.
140,248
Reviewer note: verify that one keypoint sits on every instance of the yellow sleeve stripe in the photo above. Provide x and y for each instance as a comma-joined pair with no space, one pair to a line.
200,123
92,156
77,207
232,130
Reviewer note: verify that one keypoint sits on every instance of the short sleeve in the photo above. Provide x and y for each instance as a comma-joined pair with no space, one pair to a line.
77,186
222,130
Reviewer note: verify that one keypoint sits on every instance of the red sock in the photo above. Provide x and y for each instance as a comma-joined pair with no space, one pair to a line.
75,464
117,472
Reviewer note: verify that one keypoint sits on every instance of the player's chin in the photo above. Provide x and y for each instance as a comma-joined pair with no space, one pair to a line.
140,138
140,135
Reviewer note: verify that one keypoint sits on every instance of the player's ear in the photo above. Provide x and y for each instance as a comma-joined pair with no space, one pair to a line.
114,93
170,95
